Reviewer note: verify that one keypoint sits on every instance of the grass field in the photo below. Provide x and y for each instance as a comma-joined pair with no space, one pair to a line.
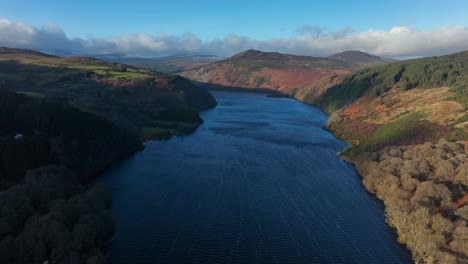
404,127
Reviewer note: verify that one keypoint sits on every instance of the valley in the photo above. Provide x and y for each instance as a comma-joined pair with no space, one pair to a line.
406,123
64,120
234,132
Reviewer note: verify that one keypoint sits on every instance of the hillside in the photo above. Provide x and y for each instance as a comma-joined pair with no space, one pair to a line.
407,123
268,71
361,58
62,121
49,150
143,101
167,64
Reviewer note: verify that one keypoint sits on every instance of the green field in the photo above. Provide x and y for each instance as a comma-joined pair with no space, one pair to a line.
403,127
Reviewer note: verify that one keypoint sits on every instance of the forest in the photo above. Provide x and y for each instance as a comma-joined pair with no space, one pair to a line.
424,189
54,132
50,216
445,71
49,153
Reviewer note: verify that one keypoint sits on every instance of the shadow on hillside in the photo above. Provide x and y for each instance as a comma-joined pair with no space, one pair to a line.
40,78
128,102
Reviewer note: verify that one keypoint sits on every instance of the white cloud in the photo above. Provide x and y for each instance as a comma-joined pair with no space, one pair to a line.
398,42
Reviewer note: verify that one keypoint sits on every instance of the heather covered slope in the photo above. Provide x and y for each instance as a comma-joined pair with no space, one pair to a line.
407,125
269,71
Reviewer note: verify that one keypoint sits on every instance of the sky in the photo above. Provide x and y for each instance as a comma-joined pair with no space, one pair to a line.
397,29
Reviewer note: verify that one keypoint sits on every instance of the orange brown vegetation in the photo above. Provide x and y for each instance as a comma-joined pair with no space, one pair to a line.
410,147
407,123
400,151
437,115
283,73
424,188
463,201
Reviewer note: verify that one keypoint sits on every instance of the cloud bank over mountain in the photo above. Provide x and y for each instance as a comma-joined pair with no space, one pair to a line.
398,42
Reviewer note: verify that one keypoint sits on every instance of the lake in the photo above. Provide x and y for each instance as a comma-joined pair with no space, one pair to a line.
258,182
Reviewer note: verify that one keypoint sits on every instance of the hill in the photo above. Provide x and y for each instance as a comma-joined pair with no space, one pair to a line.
407,123
141,100
62,121
359,57
167,64
268,71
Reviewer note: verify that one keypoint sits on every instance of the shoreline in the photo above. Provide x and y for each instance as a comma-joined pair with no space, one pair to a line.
391,211
358,168
401,237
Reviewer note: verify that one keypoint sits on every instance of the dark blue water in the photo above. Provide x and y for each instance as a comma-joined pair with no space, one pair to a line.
258,182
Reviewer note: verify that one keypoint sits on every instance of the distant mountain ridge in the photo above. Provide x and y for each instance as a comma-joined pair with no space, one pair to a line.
362,58
166,64
268,71
285,61
5,50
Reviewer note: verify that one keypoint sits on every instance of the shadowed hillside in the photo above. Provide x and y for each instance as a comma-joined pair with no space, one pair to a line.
63,120
407,123
134,98
49,149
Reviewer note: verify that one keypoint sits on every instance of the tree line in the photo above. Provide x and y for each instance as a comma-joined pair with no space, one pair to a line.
445,71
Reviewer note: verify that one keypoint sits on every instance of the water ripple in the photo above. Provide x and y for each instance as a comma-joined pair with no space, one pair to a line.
258,182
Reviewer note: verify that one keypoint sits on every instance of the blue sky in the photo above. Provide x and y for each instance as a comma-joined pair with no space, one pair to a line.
212,19
257,22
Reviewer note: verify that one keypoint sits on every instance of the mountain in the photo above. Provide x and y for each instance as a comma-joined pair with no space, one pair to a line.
135,98
407,123
361,58
167,64
23,52
268,71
